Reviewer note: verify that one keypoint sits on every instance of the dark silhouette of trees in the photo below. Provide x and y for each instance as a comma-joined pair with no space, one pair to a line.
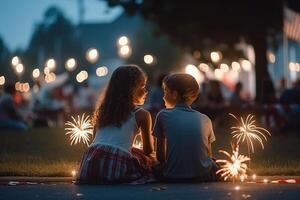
192,24
55,37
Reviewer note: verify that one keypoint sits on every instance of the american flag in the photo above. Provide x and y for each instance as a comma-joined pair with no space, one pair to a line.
291,26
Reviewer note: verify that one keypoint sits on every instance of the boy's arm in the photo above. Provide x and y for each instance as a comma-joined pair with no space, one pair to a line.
161,150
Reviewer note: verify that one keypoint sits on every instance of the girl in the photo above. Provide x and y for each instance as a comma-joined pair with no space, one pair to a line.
111,158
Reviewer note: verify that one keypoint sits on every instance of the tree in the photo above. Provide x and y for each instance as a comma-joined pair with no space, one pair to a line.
5,69
191,23
55,37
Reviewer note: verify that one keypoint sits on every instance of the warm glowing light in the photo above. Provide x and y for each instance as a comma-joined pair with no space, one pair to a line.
92,55
15,61
125,51
218,74
266,180
246,65
148,59
73,173
101,71
224,68
248,131
20,68
216,56
204,67
292,66
82,76
2,80
234,167
138,142
237,188
123,41
236,66
79,130
193,71
50,77
47,70
51,64
25,87
18,86
271,57
297,68
36,73
254,176
70,64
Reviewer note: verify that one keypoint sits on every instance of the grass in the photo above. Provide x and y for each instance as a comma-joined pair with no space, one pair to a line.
47,152
38,152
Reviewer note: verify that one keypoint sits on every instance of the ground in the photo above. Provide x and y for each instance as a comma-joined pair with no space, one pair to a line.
205,191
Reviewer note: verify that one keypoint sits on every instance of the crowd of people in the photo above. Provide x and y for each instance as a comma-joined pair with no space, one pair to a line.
52,105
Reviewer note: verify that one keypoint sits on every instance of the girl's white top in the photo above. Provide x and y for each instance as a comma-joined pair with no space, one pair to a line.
120,137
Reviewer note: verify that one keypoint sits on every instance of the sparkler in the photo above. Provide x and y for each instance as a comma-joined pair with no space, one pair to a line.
249,131
138,142
234,167
79,129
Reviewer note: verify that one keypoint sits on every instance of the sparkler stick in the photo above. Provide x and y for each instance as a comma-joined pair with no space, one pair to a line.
234,167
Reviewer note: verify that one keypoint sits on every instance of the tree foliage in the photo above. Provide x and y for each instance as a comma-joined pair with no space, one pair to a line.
207,24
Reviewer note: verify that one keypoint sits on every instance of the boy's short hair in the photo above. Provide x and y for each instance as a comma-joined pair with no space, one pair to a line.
185,85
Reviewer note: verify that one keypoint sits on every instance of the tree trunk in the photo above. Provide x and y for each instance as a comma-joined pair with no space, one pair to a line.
265,92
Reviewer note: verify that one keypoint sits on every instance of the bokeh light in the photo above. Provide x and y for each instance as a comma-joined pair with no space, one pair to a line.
2,80
215,56
125,51
148,59
92,55
51,64
236,66
101,71
15,61
70,64
20,68
246,65
224,67
204,67
36,73
193,71
123,41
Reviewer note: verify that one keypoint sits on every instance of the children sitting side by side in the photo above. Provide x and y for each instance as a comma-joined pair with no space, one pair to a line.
184,135
110,158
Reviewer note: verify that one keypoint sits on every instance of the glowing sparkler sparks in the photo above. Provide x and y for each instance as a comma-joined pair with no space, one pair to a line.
79,129
249,131
233,168
138,142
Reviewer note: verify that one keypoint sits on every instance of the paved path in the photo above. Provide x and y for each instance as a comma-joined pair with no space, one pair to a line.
205,191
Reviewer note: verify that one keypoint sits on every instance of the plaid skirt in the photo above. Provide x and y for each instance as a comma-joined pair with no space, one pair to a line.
103,164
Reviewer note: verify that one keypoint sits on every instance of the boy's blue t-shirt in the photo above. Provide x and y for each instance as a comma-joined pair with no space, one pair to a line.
188,133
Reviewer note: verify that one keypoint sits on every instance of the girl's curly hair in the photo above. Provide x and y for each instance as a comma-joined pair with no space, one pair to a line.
117,104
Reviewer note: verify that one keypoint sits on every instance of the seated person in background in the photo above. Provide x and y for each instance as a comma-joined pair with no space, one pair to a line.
184,135
10,117
236,99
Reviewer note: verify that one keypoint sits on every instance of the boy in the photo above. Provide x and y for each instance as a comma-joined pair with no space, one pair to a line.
184,135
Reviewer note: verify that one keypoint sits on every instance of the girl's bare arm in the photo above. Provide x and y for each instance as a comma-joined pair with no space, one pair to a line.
145,122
